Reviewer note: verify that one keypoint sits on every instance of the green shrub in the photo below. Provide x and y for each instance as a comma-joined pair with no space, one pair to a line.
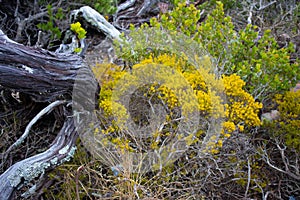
264,67
50,26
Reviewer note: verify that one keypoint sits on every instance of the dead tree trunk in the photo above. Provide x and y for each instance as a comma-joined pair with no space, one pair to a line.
40,76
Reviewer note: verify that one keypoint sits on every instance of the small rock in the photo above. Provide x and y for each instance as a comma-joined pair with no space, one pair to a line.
296,88
270,116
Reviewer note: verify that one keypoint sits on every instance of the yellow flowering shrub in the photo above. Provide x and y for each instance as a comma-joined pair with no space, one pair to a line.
287,126
240,107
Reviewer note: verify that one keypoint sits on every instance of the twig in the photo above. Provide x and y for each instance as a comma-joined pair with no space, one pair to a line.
17,8
261,7
146,6
80,168
249,178
249,20
289,173
22,23
32,122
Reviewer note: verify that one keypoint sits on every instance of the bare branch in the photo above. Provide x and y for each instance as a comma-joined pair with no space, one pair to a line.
125,5
249,178
32,122
249,20
43,76
287,172
146,6
261,7
61,150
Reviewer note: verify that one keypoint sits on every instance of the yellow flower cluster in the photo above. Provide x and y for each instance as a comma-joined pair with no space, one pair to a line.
172,61
122,143
115,114
196,80
241,106
204,99
106,105
289,105
228,127
168,96
108,75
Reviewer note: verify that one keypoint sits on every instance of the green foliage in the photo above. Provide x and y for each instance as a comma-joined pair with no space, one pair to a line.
183,19
215,34
78,30
264,67
140,47
50,26
106,6
102,6
175,2
228,4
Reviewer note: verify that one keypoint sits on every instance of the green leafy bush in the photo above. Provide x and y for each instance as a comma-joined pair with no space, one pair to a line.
51,24
257,59
182,19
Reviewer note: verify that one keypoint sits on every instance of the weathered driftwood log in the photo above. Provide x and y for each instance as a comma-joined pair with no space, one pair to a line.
43,76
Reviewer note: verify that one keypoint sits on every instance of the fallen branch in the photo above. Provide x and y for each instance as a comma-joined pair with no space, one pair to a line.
61,150
32,122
